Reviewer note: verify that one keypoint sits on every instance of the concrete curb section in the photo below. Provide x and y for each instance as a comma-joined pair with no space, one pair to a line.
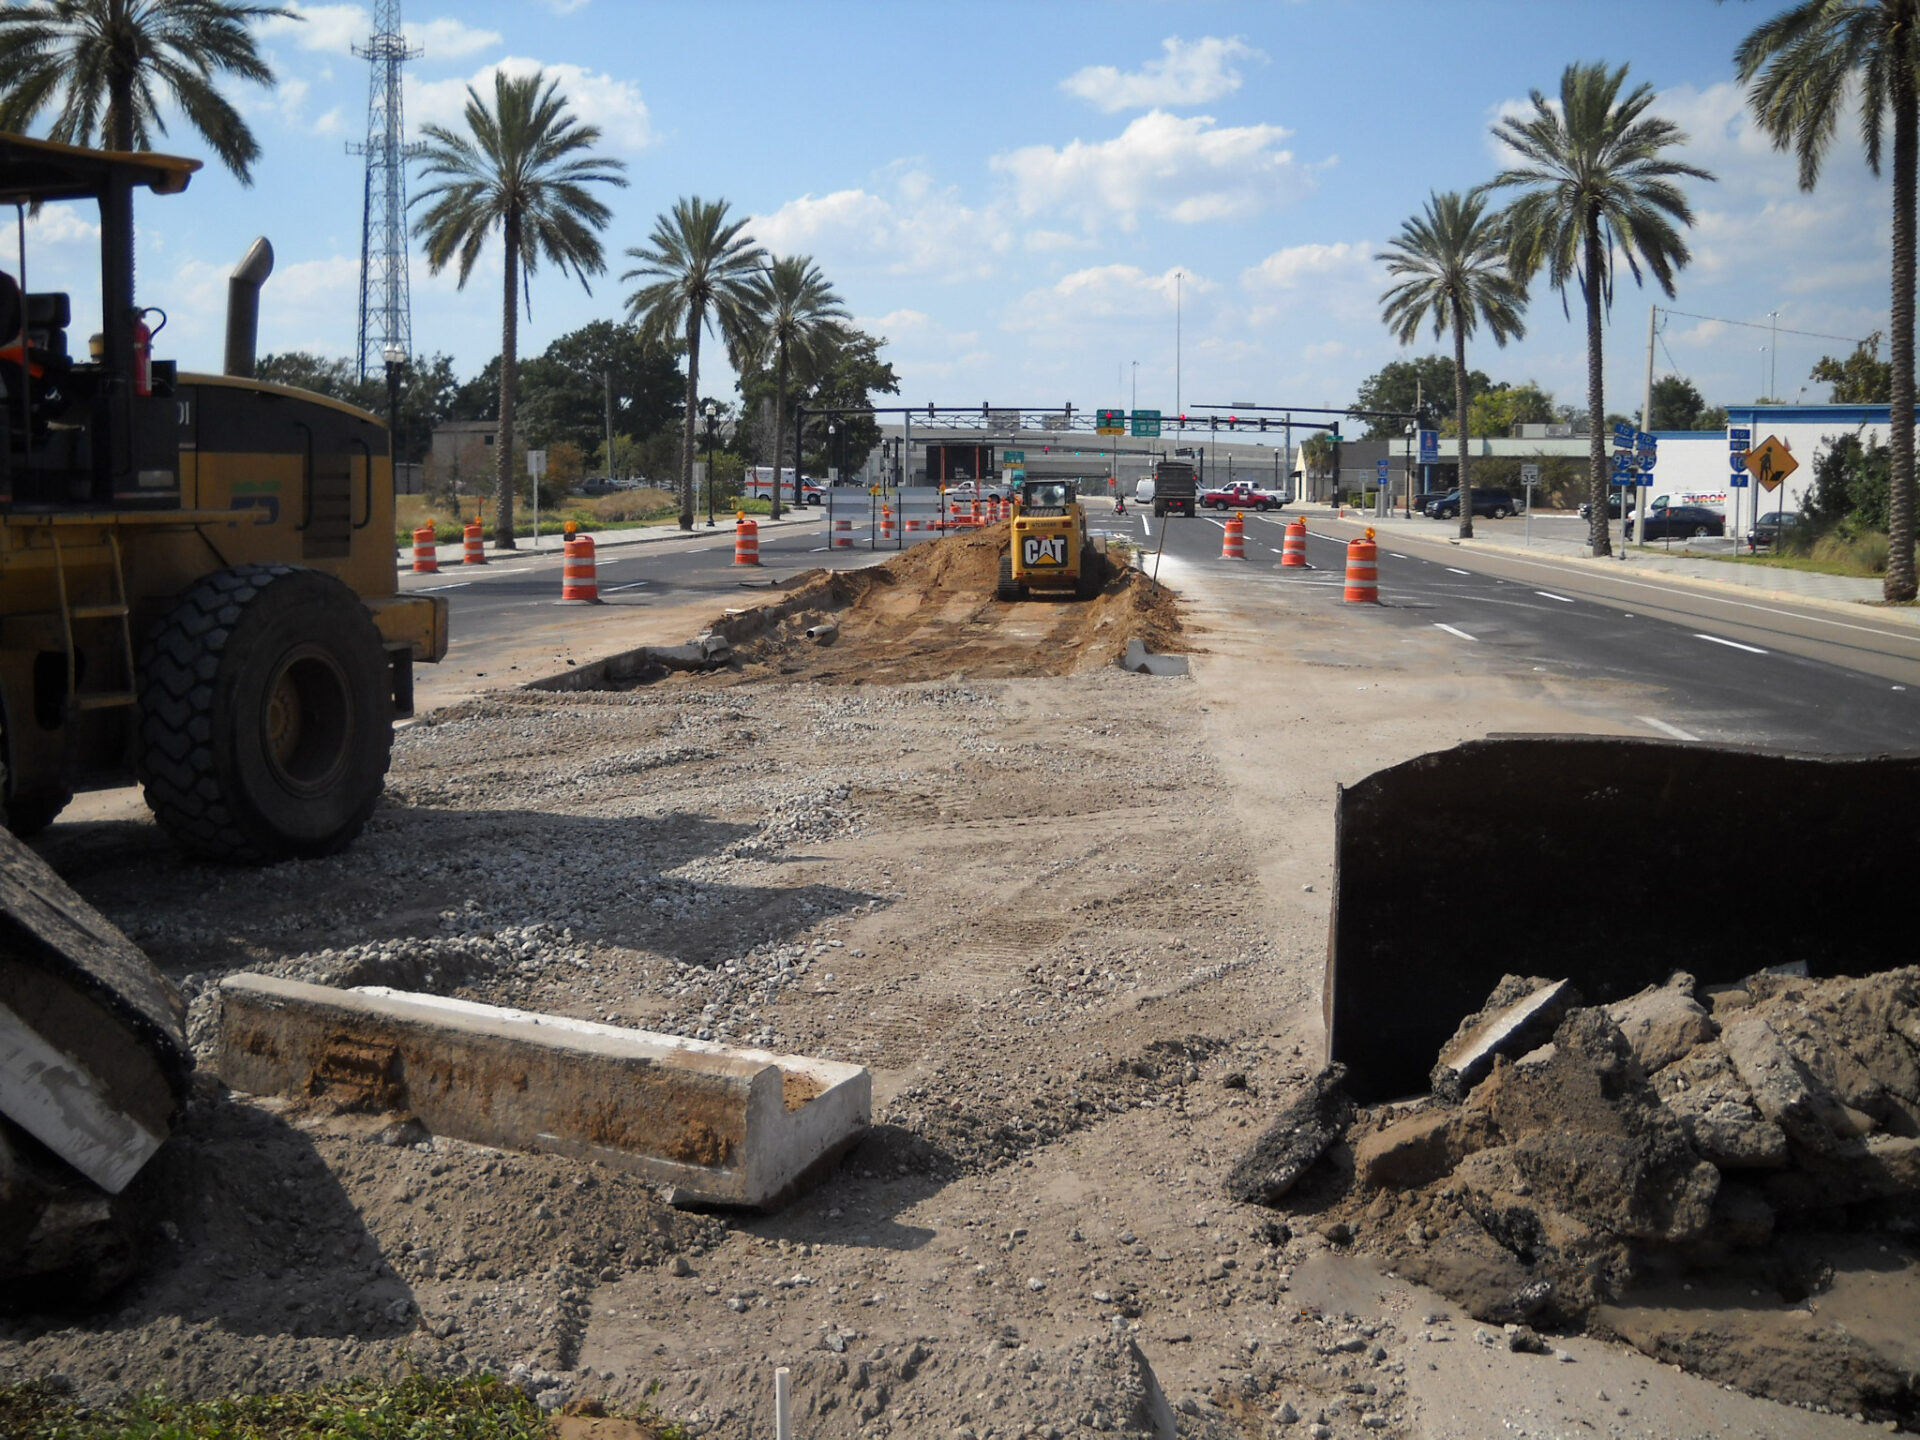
718,1126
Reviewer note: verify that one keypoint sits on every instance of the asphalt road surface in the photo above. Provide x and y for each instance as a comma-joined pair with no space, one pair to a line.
1738,670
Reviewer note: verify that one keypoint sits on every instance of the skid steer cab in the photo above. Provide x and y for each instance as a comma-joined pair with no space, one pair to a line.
197,582
1050,550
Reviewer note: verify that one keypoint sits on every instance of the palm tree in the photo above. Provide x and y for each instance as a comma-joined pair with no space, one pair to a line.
1453,265
702,271
1316,454
104,59
1802,68
796,326
523,170
1595,188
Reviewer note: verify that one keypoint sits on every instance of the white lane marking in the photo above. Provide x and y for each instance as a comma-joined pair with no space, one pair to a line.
1451,631
1551,596
1664,728
1337,539
1147,526
1731,644
1396,555
819,549
1452,571
456,585
630,585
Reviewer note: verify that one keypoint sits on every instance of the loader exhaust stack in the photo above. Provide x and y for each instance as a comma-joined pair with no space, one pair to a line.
243,307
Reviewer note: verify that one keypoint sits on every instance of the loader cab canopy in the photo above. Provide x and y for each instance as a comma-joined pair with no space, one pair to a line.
1046,497
34,171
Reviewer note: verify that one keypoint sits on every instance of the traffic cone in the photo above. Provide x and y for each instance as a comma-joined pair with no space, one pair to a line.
579,584
1293,549
426,555
1233,543
1363,571
746,542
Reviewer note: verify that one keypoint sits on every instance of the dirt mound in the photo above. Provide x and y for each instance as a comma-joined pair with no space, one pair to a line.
929,614
1742,1138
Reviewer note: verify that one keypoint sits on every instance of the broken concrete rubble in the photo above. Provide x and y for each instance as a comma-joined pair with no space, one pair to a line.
721,1126
1520,1014
1315,1118
1641,1140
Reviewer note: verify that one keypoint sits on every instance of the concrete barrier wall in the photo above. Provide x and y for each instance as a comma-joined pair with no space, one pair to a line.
1607,861
720,1126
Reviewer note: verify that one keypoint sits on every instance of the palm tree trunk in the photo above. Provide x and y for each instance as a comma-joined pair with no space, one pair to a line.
119,120
503,476
694,313
1900,581
779,424
1598,535
1460,409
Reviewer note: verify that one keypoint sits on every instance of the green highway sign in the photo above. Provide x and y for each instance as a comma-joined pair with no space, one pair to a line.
1111,422
1146,423
1013,457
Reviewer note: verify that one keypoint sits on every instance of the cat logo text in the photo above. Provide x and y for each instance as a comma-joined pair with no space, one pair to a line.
1044,550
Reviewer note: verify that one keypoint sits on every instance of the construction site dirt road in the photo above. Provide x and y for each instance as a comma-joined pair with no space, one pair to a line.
1073,919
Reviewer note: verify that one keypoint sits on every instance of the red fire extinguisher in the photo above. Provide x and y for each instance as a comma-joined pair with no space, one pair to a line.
143,350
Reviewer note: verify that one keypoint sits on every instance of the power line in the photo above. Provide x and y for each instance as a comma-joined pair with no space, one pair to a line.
1754,325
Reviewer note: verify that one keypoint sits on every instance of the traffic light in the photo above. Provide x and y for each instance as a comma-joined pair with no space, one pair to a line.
1263,424
983,409
929,409
1233,422
1213,422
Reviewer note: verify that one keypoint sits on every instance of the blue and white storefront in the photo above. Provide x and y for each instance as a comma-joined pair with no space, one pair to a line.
1693,465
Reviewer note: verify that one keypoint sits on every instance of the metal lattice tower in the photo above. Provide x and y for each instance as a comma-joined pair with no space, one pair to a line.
386,307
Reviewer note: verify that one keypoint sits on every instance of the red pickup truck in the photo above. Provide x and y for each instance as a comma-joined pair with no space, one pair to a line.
1242,495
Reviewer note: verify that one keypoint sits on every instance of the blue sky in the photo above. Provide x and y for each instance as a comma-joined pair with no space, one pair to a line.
1006,191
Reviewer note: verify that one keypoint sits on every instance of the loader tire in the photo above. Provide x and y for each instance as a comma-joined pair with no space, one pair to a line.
1093,573
266,715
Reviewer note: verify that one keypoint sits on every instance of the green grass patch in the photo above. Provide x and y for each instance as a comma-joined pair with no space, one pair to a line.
416,1408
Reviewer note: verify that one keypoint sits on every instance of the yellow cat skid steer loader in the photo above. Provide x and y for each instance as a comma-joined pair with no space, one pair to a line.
197,580
1051,550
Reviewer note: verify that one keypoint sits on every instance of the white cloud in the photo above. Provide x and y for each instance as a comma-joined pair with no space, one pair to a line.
1043,241
1100,298
338,28
596,98
449,39
1286,268
920,229
1183,169
1190,72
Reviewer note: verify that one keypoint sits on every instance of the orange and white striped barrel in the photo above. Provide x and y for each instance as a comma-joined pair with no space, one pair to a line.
843,534
1293,549
973,512
426,556
476,551
886,522
578,581
746,542
1233,541
1363,571
909,526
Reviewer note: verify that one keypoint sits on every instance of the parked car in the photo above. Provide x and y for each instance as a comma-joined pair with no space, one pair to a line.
598,487
967,491
1686,521
1613,506
1766,530
1495,503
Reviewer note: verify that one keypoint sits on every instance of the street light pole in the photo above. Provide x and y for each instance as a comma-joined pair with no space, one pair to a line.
713,412
396,359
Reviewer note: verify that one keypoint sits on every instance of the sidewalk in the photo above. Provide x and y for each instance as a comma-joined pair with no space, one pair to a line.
1563,539
451,554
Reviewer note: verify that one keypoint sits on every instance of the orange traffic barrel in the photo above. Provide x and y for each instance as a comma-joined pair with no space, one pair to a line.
1363,571
476,552
746,542
578,581
426,557
1293,549
911,525
843,534
1233,542
973,513
886,522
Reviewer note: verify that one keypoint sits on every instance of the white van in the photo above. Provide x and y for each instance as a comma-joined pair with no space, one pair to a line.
1143,491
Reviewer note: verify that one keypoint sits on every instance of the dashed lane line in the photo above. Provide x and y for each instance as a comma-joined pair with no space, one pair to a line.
1664,728
1452,571
1451,631
1730,644
1551,596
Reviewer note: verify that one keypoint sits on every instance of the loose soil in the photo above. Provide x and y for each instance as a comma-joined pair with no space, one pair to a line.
1073,919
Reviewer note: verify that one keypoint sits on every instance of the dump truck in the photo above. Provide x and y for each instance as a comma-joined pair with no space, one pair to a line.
1175,488
1050,549
197,574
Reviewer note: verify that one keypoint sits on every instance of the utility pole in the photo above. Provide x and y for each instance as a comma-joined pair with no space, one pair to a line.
1646,424
1178,408
606,379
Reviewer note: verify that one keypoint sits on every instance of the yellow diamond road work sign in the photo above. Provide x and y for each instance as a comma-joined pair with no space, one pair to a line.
1770,462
